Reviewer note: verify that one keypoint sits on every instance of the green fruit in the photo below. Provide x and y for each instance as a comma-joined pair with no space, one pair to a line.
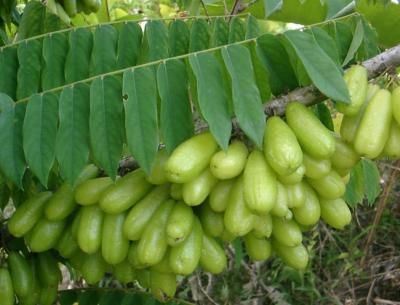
90,229
89,192
162,285
238,218
228,236
6,288
61,204
28,214
309,213
176,191
258,249
190,158
158,174
280,208
163,266
92,5
48,272
396,104
67,245
262,226
316,168
93,267
140,214
230,163
71,7
197,190
62,14
153,242
219,195
259,184
356,79
295,177
179,224
48,295
330,186
344,157
21,274
77,259
295,195
392,145
34,297
371,137
287,232
213,258
185,257
114,245
335,213
124,272
46,234
133,256
315,139
75,223
212,222
143,278
295,257
281,148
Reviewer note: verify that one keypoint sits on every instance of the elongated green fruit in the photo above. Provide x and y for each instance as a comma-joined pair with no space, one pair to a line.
162,285
163,266
295,257
77,259
258,249
392,145
124,272
262,226
89,230
259,184
61,204
48,295
153,243
344,157
280,208
316,168
6,287
176,191
48,272
229,164
211,221
295,194
141,213
158,175
190,158
70,7
213,258
238,218
21,274
133,256
45,234
315,139
143,277
93,267
89,192
75,223
335,213
309,213
34,297
294,177
27,214
114,245
371,137
286,232
185,257
356,79
197,190
330,186
67,245
219,195
281,148
179,224
396,104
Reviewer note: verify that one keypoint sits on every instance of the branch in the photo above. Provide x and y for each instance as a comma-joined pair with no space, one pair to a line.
310,95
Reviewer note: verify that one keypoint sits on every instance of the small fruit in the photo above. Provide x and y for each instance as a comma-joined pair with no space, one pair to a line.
158,174
316,168
330,186
89,192
294,177
258,249
197,190
287,232
295,257
45,234
211,221
21,274
180,223
309,213
114,245
90,229
335,213
213,258
396,104
219,195
6,287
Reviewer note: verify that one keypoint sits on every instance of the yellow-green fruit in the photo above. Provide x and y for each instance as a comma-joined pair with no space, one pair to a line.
140,214
61,204
6,287
287,232
185,257
281,148
62,14
162,285
90,229
114,245
330,186
197,190
77,258
392,145
190,158
176,191
294,177
21,274
153,242
371,137
133,257
316,168
211,221
227,236
295,257
230,163
280,208
143,277
163,266
219,195
258,249
90,191
75,223
335,213
67,244
356,79
396,104
344,157
262,226
158,174
28,214
70,7
45,234
309,213
93,267
124,193
315,139
180,223
295,195
213,257
259,184
124,272
238,218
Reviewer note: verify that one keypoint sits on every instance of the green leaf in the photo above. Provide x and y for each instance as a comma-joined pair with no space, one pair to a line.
212,98
104,53
335,6
342,35
77,64
326,76
326,43
89,297
55,49
68,297
39,134
178,36
239,253
103,13
12,159
140,92
371,180
219,32
199,36
324,114
355,187
369,46
72,148
155,42
112,297
252,27
30,62
106,123
237,31
8,68
355,43
4,194
129,44
260,71
246,97
176,116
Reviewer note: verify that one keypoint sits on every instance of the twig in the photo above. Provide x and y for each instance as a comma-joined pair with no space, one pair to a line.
383,301
204,292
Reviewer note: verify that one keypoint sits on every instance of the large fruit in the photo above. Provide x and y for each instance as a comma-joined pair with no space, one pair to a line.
335,213
162,285
114,245
93,267
21,274
90,228
6,287
45,234
61,204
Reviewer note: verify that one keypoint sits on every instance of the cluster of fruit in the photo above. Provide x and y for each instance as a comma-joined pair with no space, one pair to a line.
66,9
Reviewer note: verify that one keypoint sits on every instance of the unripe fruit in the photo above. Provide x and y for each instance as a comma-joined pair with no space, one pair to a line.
21,274
280,208
158,175
309,213
180,223
396,104
335,213
262,226
61,204
197,190
6,287
295,195
48,271
219,195
213,258
133,257
176,191
93,267
287,232
162,285
48,295
45,235
330,186
143,277
114,245
258,249
316,168
90,228
90,191
392,145
67,245
344,157
212,222
295,257
294,177
124,272
163,266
